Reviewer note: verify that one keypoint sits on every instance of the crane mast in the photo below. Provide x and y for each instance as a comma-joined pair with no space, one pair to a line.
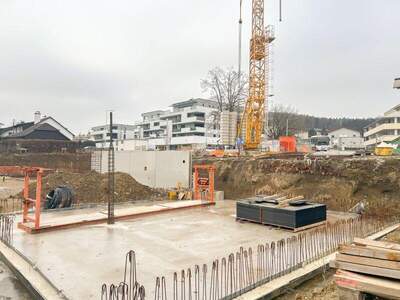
254,113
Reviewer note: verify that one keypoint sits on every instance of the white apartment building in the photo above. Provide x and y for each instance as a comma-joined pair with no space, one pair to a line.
385,129
120,132
190,124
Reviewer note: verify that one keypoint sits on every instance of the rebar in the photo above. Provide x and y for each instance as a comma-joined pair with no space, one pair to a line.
129,289
7,228
240,272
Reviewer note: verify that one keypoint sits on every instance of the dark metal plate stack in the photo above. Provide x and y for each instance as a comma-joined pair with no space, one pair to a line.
299,214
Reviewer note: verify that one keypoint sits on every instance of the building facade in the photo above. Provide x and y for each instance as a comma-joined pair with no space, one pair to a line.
191,124
120,132
385,129
346,139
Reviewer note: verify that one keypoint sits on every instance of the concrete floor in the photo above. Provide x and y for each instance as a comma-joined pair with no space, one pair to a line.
80,260
10,287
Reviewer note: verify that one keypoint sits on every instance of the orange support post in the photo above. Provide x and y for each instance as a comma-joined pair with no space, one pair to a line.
204,184
28,202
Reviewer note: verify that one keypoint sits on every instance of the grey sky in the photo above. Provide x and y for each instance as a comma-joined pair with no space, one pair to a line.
75,59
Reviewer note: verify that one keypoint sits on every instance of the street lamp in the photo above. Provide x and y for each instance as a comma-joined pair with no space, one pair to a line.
396,84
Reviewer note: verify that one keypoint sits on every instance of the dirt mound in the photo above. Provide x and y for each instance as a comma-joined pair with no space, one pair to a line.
340,183
92,187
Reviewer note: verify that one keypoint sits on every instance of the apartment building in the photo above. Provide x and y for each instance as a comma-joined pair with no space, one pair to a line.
385,129
120,132
190,124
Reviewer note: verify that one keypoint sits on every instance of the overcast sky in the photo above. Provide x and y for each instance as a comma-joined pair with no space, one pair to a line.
75,59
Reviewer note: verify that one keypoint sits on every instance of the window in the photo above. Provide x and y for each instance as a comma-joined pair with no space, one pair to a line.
156,123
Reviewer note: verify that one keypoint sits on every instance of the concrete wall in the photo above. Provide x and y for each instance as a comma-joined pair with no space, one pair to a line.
157,169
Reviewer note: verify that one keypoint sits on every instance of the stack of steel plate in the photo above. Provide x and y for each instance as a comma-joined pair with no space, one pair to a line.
295,215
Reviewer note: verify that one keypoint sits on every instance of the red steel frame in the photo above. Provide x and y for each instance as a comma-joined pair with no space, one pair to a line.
28,202
202,184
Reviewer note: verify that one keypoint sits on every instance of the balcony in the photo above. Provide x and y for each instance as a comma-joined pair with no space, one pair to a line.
382,127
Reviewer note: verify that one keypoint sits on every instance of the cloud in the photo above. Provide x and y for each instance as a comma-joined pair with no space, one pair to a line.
76,59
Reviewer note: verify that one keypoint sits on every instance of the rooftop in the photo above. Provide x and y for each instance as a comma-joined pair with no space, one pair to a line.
192,102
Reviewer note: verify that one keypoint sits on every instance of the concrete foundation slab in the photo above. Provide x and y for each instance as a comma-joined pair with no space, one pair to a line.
79,260
53,221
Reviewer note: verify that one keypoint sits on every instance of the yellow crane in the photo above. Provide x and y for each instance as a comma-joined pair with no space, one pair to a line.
254,112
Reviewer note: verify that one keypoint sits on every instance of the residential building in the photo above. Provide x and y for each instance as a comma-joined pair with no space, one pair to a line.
190,124
346,139
385,129
42,128
120,132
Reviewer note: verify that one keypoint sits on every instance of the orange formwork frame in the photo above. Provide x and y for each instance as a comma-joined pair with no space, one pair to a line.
28,202
204,184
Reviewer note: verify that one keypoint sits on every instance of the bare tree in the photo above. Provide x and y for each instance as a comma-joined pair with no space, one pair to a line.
225,87
283,119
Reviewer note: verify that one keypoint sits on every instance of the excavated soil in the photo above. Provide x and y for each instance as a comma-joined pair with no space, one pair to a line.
338,182
92,187
321,287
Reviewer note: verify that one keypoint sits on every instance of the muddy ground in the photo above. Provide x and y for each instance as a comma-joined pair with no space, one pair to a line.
10,186
92,187
338,182
321,287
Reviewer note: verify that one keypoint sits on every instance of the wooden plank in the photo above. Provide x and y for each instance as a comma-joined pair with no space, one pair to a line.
374,262
378,244
376,286
379,253
309,226
286,202
384,232
366,269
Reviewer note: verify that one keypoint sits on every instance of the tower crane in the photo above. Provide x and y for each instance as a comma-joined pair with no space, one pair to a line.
252,122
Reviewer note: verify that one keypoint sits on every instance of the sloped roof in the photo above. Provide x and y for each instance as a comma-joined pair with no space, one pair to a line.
330,131
24,125
42,125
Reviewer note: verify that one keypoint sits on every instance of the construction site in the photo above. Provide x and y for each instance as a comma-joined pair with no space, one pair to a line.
257,216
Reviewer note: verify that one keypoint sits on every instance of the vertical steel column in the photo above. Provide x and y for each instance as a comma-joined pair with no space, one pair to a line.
111,179
196,184
38,198
26,197
211,183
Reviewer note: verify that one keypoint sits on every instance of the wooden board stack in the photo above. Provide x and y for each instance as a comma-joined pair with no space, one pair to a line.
368,266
